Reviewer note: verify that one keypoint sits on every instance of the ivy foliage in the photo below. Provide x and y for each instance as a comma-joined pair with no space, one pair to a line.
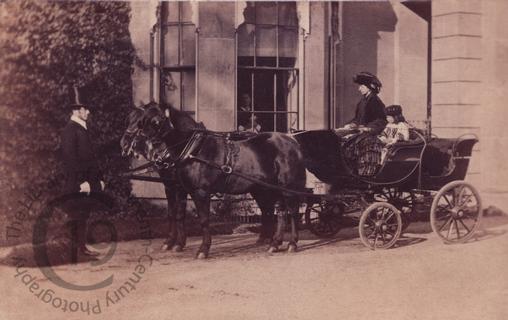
45,49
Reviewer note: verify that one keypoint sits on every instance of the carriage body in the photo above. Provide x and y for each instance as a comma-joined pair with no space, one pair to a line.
423,164
414,172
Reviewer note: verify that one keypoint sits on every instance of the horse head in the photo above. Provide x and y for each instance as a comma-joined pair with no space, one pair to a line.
127,142
142,122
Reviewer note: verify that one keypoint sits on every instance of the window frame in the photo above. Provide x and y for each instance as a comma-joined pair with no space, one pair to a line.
252,69
164,69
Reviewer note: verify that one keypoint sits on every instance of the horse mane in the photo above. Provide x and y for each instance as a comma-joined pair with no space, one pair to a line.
181,120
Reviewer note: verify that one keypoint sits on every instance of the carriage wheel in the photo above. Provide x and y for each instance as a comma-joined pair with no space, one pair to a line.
324,218
380,225
404,201
456,212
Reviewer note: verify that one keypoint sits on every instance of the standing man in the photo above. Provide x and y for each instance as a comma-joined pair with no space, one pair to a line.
82,172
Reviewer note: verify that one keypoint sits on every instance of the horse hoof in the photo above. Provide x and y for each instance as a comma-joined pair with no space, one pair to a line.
165,247
292,248
272,249
177,248
201,255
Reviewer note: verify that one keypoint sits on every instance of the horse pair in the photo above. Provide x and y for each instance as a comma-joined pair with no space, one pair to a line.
194,161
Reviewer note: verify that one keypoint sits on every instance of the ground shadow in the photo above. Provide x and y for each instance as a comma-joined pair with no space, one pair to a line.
405,241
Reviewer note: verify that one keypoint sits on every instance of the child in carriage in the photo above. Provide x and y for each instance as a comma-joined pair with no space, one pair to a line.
397,129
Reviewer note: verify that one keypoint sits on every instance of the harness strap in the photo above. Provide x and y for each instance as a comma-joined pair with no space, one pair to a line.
255,180
141,167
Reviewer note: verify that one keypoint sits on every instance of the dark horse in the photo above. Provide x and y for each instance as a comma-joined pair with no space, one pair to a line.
132,143
267,166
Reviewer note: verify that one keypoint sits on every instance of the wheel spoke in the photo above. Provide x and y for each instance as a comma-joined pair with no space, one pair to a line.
450,229
457,228
464,225
450,205
443,226
462,203
390,216
390,233
383,238
384,213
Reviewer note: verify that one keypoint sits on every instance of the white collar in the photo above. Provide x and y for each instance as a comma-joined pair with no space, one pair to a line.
79,121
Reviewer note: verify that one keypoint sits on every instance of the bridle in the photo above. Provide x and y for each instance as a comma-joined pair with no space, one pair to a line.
164,159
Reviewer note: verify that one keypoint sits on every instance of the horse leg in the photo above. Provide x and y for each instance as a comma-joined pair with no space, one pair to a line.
171,210
202,202
295,217
181,207
266,204
279,235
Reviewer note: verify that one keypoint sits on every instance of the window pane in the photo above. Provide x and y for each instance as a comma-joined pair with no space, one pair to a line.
288,42
189,45
171,11
171,46
246,34
172,88
287,14
265,121
266,45
282,122
263,91
186,11
188,90
266,12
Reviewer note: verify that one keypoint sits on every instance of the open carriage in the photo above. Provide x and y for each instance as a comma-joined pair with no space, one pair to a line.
414,174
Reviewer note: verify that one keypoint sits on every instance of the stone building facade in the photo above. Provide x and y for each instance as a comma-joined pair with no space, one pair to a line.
288,66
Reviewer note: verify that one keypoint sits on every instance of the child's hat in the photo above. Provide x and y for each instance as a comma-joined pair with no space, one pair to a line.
393,110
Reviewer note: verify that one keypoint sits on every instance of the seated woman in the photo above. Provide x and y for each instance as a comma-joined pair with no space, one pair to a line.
397,129
364,151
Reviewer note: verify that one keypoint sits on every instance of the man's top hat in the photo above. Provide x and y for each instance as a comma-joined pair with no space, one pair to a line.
78,98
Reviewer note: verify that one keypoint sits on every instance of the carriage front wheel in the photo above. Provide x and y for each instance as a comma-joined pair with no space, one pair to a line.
456,212
380,225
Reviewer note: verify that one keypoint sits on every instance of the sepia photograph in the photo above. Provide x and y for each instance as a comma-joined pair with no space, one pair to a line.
254,159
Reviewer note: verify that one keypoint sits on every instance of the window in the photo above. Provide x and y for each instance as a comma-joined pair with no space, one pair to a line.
267,81
178,55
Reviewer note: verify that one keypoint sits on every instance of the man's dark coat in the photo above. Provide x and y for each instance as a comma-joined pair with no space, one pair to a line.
79,160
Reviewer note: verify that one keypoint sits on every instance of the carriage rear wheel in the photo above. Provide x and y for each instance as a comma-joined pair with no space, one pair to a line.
324,218
380,225
456,212
402,200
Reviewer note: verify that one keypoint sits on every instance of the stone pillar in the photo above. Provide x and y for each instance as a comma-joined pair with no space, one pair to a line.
494,114
316,69
143,18
456,73
216,65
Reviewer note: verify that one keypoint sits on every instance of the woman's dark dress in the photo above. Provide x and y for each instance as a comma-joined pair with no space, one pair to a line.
364,150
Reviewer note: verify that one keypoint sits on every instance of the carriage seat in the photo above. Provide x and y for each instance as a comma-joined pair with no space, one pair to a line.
410,149
415,139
